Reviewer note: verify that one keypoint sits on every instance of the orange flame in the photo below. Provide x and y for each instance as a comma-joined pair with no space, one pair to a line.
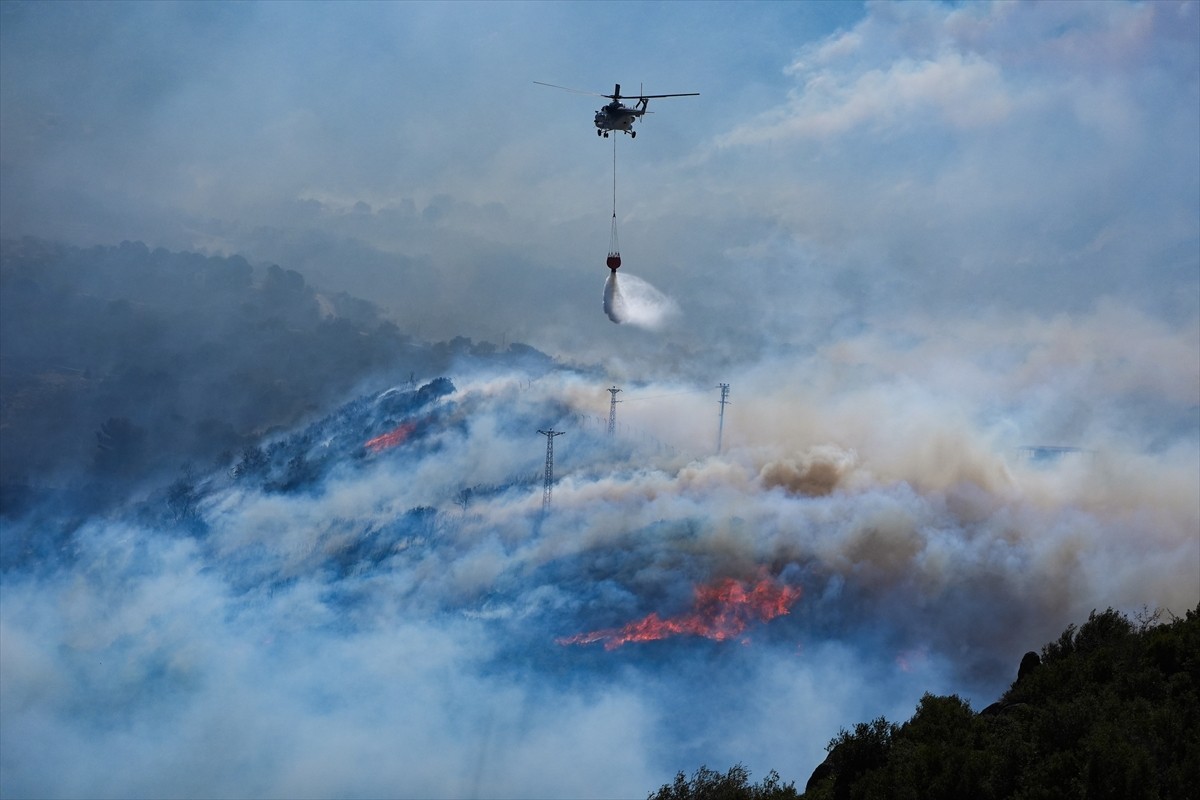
391,438
721,611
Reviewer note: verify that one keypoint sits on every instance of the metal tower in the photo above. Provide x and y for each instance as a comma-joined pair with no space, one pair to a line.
612,411
550,434
724,387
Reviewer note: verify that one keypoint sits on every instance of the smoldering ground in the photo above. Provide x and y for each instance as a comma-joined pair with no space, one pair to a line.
389,627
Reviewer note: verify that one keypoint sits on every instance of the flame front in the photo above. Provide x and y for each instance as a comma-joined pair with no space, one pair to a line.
391,438
721,611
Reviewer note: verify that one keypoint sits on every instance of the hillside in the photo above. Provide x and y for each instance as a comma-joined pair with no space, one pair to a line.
1111,709
121,364
368,590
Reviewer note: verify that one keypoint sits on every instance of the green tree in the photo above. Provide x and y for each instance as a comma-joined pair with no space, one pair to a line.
707,784
1111,711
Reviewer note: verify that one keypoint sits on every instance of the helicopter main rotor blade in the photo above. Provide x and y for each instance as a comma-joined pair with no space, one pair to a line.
569,89
617,94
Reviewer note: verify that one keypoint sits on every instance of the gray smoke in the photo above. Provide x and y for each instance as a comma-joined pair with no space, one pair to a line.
390,630
926,244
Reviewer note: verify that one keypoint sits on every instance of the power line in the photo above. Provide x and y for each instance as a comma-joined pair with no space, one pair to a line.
657,396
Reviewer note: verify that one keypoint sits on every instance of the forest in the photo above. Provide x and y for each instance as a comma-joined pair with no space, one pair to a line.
1111,709
122,366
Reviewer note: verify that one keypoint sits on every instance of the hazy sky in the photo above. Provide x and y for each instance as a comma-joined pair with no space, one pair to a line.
844,165
912,236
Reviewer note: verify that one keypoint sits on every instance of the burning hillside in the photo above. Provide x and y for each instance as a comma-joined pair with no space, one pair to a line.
390,562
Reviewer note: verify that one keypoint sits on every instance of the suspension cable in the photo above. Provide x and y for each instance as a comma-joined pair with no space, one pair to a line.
614,177
613,246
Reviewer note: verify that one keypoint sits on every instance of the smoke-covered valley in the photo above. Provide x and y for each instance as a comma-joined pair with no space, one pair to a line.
288,291
369,600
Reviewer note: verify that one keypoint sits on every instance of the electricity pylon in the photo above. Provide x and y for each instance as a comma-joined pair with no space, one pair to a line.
612,411
550,434
724,387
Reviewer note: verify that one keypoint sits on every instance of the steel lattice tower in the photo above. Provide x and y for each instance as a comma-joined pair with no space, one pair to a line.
550,434
612,411
724,387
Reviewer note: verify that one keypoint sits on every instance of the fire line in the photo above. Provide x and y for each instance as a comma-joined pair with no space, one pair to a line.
721,611
391,438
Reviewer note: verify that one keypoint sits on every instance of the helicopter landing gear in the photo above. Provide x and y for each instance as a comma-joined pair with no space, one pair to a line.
633,134
606,134
599,132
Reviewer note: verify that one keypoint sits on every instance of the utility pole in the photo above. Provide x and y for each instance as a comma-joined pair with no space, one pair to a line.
724,387
550,434
612,411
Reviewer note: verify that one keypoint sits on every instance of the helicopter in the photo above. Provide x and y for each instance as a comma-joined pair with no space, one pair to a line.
617,117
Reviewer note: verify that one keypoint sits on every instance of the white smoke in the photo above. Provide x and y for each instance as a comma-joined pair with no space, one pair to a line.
633,301
381,633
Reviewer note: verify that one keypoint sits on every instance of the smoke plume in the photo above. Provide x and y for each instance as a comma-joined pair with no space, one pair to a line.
379,607
946,259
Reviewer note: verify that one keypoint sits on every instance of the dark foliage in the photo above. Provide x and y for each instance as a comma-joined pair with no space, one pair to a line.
1109,710
707,784
124,365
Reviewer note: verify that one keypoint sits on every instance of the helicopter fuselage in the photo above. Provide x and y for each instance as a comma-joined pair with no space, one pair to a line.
616,117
